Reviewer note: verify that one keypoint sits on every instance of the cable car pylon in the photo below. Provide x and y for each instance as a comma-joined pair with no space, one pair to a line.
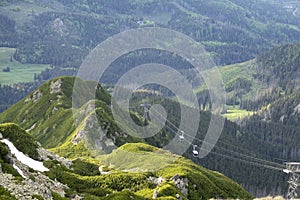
146,107
292,168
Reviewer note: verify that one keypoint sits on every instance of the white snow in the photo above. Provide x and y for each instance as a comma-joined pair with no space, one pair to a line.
19,170
36,165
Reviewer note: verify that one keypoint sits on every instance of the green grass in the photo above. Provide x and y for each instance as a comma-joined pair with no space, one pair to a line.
121,184
235,71
161,17
214,43
234,113
4,194
18,72
138,157
231,74
20,138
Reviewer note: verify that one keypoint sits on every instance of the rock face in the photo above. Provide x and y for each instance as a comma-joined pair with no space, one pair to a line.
46,155
27,188
79,137
155,194
297,109
34,182
36,95
156,181
55,86
93,133
181,183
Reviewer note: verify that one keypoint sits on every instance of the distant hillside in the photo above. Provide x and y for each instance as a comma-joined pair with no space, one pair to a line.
258,83
285,110
78,178
61,33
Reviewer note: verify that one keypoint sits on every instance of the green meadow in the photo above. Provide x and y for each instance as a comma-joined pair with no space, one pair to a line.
18,72
234,113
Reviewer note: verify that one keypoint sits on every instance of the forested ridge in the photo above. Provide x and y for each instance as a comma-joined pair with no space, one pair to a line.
62,33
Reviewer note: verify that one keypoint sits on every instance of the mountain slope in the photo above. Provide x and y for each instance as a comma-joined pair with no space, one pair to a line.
21,179
47,112
263,136
89,142
180,178
86,130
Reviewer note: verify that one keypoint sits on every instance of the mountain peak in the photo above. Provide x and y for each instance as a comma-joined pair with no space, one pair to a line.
47,112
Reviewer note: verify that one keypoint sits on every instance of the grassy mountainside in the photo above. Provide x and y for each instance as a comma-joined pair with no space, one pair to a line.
264,95
178,178
48,116
199,182
22,140
47,112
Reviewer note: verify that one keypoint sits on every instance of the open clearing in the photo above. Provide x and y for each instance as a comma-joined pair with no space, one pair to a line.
18,72
234,113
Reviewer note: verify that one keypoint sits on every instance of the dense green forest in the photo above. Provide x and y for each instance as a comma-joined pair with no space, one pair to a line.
62,35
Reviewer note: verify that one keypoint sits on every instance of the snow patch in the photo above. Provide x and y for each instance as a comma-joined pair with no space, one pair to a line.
31,128
36,165
19,170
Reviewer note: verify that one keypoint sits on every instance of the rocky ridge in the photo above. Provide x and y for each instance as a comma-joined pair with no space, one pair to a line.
34,182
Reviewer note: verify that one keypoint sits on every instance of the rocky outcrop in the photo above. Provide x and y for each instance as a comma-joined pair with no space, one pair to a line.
30,129
155,194
36,95
55,86
156,181
25,189
46,155
94,134
34,183
181,183
80,136
297,109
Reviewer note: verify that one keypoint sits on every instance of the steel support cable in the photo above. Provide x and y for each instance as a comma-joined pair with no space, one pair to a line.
231,151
